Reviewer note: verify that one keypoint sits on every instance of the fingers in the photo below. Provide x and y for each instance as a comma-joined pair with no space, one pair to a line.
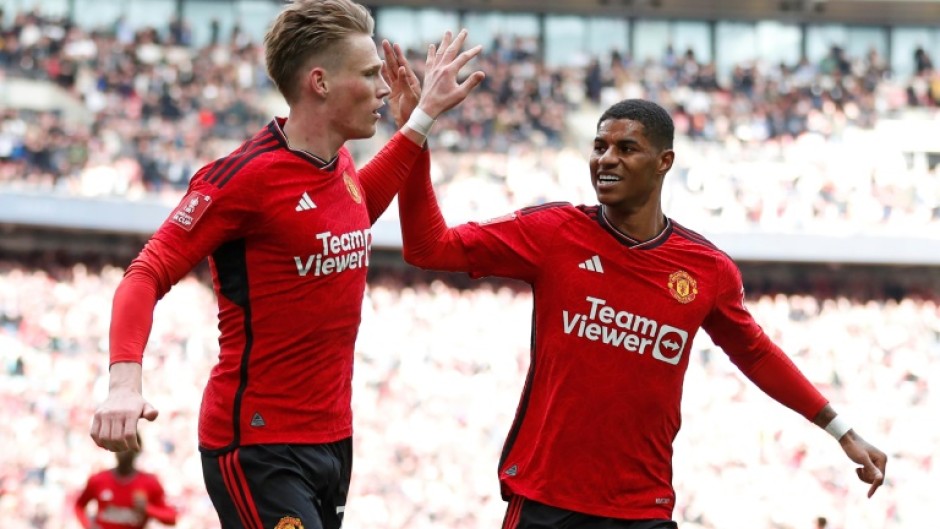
386,74
451,51
471,82
432,53
109,430
130,436
871,475
445,43
150,413
400,57
413,82
466,56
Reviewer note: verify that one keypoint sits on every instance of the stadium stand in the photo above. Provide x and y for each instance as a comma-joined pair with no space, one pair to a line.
821,177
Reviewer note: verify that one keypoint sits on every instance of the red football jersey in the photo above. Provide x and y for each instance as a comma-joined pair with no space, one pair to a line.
288,237
613,326
117,500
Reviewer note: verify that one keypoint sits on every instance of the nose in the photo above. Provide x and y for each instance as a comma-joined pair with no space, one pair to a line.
383,89
607,158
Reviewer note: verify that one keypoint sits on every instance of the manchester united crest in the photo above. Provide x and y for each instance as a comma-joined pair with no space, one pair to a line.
352,188
289,522
682,286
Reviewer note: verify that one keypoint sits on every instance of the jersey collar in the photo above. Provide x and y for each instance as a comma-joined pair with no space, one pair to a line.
277,128
629,241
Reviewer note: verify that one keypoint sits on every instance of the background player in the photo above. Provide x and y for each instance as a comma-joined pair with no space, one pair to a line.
126,498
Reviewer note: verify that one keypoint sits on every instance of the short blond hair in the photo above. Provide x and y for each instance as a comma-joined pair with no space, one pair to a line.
306,29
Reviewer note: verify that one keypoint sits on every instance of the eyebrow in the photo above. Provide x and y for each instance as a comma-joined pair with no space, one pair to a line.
622,141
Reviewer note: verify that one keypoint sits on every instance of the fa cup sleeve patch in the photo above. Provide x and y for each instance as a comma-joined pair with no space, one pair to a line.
190,210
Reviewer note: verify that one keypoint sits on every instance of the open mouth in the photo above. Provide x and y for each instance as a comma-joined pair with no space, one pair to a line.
606,180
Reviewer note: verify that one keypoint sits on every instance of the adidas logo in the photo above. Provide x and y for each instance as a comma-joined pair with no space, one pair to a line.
593,264
305,204
511,471
256,420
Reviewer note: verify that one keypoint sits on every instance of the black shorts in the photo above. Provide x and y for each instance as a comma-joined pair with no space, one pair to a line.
280,486
528,514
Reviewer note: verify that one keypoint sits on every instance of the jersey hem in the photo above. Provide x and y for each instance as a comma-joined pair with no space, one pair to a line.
606,511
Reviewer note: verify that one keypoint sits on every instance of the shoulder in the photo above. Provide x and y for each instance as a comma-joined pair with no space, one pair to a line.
242,166
702,245
548,213
148,477
696,240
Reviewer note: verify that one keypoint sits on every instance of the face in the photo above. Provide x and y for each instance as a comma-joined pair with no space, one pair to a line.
355,88
626,169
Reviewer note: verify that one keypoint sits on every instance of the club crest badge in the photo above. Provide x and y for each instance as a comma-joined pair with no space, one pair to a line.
352,188
682,286
289,522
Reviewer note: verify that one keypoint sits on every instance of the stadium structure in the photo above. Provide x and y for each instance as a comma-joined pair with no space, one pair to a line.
834,222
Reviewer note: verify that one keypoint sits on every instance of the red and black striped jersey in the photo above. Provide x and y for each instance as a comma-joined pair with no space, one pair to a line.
288,237
614,320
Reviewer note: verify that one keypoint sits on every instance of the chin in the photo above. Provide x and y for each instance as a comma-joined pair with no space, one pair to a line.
363,134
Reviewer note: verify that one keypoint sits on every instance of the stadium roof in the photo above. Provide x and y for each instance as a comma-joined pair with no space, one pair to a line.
868,12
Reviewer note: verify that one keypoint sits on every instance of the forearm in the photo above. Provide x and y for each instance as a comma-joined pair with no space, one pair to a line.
82,515
382,177
427,242
132,316
777,376
164,514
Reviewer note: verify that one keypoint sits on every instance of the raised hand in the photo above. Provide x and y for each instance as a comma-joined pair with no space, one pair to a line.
406,89
441,91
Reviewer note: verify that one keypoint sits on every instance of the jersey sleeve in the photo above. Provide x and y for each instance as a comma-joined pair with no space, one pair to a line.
157,507
82,500
206,217
513,245
732,328
382,177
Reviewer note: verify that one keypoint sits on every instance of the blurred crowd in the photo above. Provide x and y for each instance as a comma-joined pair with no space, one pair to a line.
773,146
439,368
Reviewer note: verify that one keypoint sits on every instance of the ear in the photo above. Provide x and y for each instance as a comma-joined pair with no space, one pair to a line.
316,81
665,161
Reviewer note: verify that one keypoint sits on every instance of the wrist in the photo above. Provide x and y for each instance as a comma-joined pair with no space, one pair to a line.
420,122
838,427
125,376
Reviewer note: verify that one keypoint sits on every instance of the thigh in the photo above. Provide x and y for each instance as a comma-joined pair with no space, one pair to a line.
527,514
279,486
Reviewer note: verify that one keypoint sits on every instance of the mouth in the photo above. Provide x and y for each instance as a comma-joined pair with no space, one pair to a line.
377,111
607,180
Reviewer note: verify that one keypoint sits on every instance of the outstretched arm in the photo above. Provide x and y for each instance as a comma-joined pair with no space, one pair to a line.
733,328
427,242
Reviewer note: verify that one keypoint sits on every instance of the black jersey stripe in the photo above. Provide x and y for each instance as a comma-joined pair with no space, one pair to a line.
216,165
245,161
231,265
257,143
694,236
526,394
540,207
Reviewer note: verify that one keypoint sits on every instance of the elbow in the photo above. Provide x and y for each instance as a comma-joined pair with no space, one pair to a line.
413,256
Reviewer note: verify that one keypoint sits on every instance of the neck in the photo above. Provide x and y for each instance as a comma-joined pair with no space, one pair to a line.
305,132
639,225
124,471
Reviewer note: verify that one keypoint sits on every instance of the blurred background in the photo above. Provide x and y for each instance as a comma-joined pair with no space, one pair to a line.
808,147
